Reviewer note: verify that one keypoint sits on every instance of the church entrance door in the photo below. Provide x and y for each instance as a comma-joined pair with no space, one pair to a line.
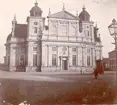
65,64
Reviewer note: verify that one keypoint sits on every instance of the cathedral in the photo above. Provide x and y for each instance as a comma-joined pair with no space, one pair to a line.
67,43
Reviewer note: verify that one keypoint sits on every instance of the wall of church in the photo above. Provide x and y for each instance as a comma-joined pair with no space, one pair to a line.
60,27
33,56
65,33
7,57
34,24
17,56
63,46
12,57
68,30
79,55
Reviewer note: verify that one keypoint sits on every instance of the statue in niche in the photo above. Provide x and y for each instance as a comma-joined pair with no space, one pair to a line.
64,49
40,32
80,26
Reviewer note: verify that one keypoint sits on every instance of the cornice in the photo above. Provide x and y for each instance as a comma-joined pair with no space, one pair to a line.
92,43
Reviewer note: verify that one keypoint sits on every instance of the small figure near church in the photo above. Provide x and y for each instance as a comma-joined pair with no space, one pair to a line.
99,68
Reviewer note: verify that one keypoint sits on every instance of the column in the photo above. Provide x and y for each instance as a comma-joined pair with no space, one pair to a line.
30,56
12,58
95,55
57,56
82,57
69,30
68,58
91,32
92,57
77,30
100,54
43,55
47,55
48,29
76,56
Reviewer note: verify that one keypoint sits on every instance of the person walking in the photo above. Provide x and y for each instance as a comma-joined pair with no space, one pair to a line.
99,68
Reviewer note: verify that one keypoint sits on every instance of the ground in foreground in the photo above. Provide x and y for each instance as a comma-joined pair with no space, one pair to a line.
83,89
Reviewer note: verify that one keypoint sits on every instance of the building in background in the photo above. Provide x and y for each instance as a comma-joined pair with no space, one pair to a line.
106,63
112,60
68,43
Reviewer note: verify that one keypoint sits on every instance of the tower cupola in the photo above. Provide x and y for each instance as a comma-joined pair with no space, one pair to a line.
36,11
84,15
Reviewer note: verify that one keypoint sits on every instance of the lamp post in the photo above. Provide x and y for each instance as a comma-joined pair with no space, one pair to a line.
113,32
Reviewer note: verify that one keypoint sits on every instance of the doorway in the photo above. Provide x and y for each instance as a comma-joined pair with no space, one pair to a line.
65,64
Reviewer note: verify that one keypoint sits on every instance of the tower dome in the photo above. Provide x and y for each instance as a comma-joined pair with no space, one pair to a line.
36,11
84,15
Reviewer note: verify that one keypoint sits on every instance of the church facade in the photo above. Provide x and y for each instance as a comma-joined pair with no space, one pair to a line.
67,43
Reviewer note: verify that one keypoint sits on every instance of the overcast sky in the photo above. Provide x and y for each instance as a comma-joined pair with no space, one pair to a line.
101,12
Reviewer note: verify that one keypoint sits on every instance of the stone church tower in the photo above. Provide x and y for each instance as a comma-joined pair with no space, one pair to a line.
34,36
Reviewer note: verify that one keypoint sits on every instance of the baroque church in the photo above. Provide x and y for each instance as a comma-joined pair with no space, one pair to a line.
68,43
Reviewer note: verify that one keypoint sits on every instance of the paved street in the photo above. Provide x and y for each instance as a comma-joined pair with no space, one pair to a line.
49,88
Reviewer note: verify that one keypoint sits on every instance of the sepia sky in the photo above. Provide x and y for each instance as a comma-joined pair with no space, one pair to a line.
101,11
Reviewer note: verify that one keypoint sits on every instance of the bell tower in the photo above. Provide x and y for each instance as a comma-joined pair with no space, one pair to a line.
35,31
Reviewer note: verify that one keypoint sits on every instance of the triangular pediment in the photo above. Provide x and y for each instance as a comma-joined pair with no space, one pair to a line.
63,15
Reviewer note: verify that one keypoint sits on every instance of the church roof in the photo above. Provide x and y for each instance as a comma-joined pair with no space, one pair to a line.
112,52
36,10
20,32
84,15
9,37
63,15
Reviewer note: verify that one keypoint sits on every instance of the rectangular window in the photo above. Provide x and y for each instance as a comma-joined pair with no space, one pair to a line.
88,51
22,57
74,60
34,48
64,30
53,48
34,59
21,60
53,59
110,62
88,60
22,50
35,29
73,31
74,49
54,29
